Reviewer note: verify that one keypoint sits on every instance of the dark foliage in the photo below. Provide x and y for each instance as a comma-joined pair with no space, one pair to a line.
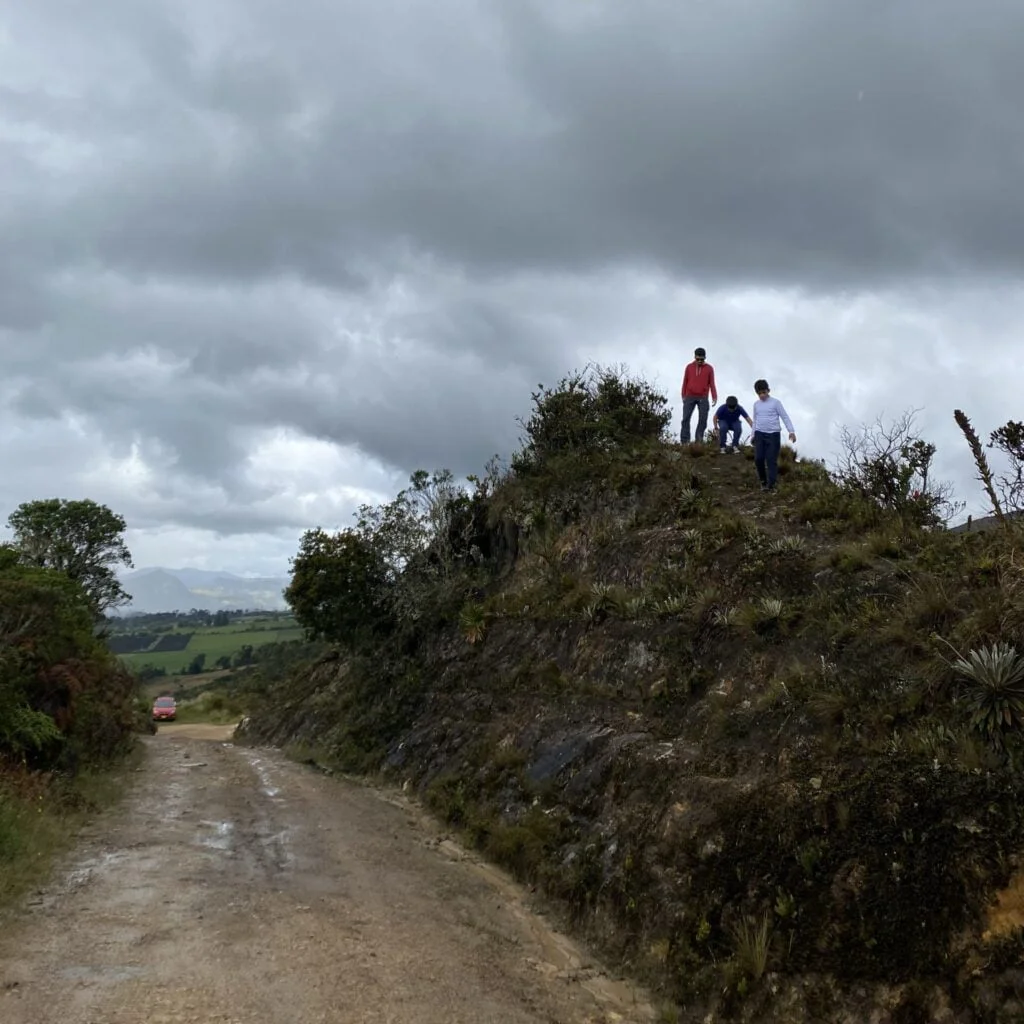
596,407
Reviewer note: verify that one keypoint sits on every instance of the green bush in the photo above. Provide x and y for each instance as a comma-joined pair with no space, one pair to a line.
64,699
596,407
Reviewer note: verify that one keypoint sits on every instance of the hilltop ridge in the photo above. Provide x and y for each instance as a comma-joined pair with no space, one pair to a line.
725,733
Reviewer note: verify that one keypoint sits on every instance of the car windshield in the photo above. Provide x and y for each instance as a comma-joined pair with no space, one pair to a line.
165,702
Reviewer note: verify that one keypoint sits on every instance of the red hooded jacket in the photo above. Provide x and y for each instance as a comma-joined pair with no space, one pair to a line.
698,381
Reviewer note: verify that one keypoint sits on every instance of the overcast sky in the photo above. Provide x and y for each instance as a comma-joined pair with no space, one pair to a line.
260,261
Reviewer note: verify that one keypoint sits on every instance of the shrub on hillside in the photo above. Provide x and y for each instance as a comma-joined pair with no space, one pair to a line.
597,407
890,463
64,698
1009,439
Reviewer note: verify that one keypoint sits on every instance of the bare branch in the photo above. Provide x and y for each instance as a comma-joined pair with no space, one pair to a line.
891,464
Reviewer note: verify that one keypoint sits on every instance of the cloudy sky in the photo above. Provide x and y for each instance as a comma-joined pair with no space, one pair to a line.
260,261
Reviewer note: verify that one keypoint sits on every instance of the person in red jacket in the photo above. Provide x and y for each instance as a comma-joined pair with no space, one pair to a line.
698,383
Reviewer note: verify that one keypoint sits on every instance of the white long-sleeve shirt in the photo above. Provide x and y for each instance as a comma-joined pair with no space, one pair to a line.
766,416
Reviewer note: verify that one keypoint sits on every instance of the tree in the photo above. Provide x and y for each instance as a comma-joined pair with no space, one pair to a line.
63,695
1009,439
339,590
81,539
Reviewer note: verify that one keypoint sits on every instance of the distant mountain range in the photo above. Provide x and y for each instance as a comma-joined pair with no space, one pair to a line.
179,590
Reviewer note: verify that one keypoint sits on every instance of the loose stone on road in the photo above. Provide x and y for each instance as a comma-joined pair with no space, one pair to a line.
235,887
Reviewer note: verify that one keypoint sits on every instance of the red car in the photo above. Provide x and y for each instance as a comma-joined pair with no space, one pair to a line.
165,709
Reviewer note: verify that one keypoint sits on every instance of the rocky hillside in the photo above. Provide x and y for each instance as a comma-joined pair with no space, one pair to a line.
760,749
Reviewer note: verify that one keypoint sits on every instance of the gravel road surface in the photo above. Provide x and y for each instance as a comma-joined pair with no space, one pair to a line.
234,887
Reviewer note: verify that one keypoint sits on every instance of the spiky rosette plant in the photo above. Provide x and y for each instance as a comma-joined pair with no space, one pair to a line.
995,692
473,622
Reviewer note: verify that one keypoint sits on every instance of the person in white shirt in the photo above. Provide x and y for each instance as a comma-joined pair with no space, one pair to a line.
767,414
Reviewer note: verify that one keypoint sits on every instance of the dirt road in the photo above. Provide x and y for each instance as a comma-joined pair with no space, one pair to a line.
235,887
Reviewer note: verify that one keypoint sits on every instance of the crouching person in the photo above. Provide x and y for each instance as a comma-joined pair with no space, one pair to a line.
727,424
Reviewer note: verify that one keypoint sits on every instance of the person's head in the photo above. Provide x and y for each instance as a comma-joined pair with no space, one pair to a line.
761,387
699,355
732,401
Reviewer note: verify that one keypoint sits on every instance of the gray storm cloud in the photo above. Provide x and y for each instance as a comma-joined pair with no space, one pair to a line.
381,224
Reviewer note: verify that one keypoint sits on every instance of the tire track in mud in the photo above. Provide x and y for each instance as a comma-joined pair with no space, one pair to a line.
235,887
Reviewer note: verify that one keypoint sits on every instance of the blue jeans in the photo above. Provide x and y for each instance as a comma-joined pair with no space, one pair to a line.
701,405
766,456
724,430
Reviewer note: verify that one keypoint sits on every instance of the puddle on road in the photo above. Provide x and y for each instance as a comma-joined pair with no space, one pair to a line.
87,869
269,789
220,837
278,854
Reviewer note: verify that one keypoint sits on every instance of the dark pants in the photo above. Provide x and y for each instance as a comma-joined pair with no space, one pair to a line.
701,405
724,430
766,456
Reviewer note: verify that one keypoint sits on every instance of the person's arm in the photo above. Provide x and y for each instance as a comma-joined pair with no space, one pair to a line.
682,387
746,416
711,382
787,421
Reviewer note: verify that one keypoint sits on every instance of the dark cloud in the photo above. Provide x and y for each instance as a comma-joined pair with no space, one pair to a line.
377,226
832,145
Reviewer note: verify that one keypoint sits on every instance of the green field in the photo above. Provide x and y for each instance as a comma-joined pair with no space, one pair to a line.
215,641
183,687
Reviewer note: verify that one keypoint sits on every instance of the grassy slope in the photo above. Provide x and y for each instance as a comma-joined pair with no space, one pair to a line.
696,707
41,815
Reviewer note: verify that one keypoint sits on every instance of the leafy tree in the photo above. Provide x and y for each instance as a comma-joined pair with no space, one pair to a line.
427,527
62,694
339,587
81,539
394,532
196,665
421,538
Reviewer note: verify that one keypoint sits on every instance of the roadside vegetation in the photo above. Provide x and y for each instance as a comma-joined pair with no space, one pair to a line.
764,750
69,711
